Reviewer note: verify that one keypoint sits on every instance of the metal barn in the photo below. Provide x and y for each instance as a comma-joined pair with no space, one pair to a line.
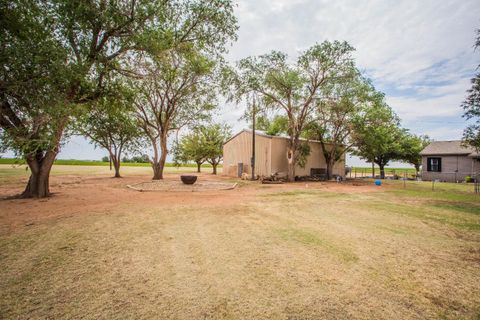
270,156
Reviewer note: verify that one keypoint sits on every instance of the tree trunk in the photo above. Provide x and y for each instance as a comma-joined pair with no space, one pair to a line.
373,170
417,170
214,165
116,165
38,184
382,171
199,164
157,171
160,165
329,169
291,164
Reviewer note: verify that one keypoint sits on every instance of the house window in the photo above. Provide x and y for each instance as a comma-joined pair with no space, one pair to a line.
434,164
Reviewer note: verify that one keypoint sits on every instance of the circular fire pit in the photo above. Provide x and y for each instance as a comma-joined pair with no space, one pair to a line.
188,179
178,186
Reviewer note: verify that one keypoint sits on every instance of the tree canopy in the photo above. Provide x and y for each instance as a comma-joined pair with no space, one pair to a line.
177,91
190,148
411,146
274,127
377,135
213,138
109,124
471,107
341,102
58,55
292,89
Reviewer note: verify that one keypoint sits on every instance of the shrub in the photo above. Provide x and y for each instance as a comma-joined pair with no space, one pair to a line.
468,179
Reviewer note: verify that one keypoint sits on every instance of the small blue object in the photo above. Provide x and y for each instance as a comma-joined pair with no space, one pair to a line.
378,182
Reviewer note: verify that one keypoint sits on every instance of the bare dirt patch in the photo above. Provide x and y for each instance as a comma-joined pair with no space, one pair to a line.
96,192
178,186
97,249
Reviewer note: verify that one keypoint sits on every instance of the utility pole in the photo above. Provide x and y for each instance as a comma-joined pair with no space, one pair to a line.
253,138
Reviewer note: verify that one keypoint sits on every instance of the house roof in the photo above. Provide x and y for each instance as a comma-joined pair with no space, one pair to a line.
453,147
263,134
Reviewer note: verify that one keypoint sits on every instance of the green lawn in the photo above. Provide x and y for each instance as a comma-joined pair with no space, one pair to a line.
297,251
367,171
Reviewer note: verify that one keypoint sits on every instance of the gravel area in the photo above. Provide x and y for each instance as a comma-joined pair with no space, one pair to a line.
167,185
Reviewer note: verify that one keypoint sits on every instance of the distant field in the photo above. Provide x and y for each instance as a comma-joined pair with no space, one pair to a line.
359,170
388,171
98,163
18,174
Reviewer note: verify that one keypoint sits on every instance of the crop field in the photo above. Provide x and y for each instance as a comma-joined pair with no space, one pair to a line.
100,163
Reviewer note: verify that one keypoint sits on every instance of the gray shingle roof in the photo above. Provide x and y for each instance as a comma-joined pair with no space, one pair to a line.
446,147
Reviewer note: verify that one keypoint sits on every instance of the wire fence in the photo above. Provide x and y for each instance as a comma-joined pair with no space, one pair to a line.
390,173
446,181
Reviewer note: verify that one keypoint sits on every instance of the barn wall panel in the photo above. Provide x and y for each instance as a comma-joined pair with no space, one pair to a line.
239,150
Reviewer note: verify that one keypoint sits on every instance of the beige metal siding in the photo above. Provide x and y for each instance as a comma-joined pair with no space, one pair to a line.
270,156
279,163
454,168
316,159
239,150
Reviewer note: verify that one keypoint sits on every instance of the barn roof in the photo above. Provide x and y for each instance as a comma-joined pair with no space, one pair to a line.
453,147
263,134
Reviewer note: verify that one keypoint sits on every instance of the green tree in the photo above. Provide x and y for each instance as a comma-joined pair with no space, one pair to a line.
212,139
59,54
471,107
143,158
291,89
411,146
341,102
110,125
274,127
377,135
190,148
32,92
178,91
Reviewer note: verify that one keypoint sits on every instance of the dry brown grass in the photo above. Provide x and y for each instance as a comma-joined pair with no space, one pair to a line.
286,252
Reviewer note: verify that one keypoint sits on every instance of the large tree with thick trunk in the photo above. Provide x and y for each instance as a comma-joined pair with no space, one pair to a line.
57,55
292,90
177,91
339,105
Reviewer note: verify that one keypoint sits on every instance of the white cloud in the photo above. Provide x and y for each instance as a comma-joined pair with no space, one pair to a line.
419,52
